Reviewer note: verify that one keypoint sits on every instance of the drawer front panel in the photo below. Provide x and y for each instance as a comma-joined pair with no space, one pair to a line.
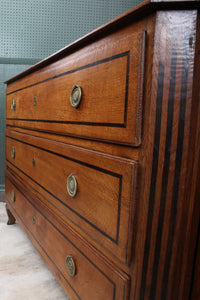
93,277
103,204
111,100
50,100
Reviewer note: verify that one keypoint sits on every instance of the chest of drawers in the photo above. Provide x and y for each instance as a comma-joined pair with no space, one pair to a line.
102,156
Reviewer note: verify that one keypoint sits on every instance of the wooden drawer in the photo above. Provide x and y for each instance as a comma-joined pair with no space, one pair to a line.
95,278
103,205
110,75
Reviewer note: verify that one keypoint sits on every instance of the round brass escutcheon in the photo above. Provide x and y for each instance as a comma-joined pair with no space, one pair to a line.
33,219
12,195
72,185
75,96
70,265
12,152
13,104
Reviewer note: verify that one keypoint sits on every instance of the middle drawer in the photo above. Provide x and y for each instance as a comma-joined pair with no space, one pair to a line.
96,192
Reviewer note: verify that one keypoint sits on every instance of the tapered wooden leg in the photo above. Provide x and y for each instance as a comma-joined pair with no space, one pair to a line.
11,218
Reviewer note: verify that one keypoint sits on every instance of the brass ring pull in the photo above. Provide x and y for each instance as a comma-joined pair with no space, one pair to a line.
13,104
72,185
70,265
12,152
12,195
75,96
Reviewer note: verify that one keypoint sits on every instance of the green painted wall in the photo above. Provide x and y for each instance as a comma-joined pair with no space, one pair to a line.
31,30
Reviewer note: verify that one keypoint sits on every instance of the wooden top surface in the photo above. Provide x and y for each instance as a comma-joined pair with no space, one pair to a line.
144,8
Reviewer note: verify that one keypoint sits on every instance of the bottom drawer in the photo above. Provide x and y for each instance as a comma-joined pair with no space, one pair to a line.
82,271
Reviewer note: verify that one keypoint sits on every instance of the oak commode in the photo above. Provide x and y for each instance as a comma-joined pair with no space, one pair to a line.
102,156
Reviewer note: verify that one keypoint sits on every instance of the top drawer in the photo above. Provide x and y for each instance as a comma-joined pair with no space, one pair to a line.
109,73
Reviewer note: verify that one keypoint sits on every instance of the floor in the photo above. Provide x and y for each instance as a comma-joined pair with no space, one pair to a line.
23,274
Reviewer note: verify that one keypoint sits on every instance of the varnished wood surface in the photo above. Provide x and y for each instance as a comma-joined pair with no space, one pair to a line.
103,206
95,278
161,201
167,196
111,107
113,149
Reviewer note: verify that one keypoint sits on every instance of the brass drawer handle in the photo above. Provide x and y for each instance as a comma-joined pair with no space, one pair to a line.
33,219
72,185
12,152
70,265
13,104
12,195
75,96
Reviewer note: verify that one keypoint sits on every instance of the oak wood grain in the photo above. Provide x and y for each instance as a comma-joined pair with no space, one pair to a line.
139,182
104,203
95,277
111,77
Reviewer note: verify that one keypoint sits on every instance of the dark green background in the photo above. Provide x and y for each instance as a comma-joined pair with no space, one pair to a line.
33,29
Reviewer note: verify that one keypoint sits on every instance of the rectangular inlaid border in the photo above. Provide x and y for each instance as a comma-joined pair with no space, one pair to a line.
91,262
99,62
119,176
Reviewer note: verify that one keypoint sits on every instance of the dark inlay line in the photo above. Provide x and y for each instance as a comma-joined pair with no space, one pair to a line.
50,222
179,153
153,176
83,137
99,62
106,124
19,217
119,176
126,92
72,210
165,174
140,88
119,210
122,125
67,157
